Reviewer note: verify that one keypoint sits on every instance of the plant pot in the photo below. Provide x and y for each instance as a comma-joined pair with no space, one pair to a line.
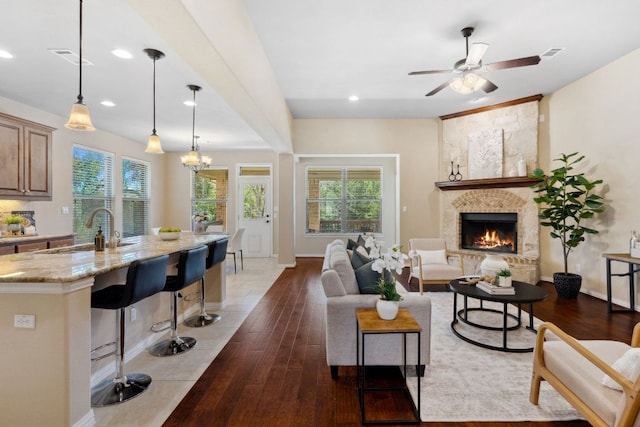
387,310
13,227
491,264
504,282
567,285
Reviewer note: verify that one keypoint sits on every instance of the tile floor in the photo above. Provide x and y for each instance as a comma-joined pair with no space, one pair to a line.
173,376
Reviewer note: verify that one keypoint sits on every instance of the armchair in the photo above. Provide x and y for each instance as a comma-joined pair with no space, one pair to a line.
431,265
577,369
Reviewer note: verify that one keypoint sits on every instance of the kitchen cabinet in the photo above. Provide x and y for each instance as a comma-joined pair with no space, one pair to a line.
25,159
13,245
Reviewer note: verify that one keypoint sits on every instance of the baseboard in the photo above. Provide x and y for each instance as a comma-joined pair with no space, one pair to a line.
88,420
287,265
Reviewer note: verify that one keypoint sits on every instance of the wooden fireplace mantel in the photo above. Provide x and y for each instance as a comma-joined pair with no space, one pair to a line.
478,184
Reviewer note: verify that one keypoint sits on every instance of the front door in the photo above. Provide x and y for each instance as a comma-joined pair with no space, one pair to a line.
255,215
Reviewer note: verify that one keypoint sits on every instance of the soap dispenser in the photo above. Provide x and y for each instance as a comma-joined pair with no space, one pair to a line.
99,239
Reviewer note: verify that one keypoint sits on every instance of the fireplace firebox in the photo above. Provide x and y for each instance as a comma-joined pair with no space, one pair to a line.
491,232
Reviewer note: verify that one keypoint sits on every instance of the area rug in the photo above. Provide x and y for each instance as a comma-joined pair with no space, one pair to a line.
465,382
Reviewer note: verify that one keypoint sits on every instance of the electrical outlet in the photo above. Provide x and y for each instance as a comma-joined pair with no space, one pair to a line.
134,314
24,321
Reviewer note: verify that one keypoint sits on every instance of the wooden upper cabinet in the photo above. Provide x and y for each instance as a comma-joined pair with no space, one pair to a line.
25,159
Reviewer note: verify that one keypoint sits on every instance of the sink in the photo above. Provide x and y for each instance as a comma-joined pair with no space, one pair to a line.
77,248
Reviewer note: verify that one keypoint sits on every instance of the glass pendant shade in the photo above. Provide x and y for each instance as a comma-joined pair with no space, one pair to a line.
79,119
153,145
193,159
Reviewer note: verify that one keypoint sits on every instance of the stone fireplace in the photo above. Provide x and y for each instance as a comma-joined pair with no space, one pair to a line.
500,207
489,231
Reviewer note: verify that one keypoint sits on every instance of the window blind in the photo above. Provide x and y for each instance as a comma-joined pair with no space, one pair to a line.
135,197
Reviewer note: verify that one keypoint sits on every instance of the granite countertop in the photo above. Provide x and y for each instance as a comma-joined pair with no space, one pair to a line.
63,265
25,238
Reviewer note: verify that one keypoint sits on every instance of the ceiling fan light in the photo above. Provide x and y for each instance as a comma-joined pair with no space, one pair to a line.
458,85
79,119
153,145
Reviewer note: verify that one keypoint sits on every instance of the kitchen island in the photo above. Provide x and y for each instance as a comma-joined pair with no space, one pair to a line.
46,370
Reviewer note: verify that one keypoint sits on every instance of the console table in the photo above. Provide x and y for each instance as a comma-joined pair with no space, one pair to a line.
369,322
633,266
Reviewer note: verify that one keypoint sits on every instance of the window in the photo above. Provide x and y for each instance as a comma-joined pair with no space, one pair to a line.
135,197
344,200
92,189
210,189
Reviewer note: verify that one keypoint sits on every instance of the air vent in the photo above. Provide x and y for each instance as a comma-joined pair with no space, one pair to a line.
551,52
69,55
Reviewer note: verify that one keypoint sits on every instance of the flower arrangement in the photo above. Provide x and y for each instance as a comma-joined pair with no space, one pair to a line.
200,217
13,219
391,260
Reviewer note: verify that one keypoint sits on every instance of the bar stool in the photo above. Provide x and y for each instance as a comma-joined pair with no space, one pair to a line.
216,254
144,278
191,267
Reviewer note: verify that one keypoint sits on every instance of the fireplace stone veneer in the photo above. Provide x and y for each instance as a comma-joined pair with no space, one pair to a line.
525,263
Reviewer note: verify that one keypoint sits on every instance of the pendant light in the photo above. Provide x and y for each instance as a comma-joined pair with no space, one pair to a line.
153,144
193,159
79,118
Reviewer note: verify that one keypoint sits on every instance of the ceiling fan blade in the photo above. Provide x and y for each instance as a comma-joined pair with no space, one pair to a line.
513,63
476,53
416,73
439,88
488,86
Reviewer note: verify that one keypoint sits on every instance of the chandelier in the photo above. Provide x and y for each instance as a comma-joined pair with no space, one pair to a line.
193,159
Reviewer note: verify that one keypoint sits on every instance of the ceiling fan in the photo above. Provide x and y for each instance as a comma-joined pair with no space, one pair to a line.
470,81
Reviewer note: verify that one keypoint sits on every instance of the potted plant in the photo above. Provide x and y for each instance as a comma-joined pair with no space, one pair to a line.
385,263
503,278
14,222
567,199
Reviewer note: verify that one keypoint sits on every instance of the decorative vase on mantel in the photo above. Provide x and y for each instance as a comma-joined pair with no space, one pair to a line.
493,263
387,310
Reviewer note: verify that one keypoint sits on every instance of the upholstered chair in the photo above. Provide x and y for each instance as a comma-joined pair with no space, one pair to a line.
431,264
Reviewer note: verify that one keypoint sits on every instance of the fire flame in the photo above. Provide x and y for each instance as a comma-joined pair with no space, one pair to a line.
492,240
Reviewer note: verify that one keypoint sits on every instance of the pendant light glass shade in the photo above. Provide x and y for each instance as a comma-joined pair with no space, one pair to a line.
193,159
468,83
153,143
79,119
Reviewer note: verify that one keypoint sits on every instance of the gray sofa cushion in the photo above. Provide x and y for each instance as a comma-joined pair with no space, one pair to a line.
341,263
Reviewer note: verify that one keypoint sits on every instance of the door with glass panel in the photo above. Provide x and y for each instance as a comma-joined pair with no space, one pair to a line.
255,214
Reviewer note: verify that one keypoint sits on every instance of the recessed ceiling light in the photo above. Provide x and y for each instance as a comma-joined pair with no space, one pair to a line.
108,103
121,53
353,98
4,54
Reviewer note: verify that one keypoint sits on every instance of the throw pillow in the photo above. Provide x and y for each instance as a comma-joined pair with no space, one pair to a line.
359,258
628,365
433,257
351,244
368,279
361,242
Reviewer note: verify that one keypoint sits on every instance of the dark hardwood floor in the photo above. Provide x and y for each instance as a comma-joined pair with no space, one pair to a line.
273,371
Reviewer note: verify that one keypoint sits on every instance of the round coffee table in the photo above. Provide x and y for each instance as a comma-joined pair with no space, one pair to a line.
524,294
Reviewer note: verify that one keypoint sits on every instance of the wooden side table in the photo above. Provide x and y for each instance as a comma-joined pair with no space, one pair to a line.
632,263
368,322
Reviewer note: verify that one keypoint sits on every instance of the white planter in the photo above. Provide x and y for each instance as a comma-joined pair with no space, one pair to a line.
492,264
387,310
504,282
13,227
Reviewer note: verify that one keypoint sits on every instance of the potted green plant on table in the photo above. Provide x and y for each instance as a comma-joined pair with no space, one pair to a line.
14,222
503,278
567,199
385,263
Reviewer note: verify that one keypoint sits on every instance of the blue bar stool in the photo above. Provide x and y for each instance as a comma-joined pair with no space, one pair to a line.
191,268
216,254
144,278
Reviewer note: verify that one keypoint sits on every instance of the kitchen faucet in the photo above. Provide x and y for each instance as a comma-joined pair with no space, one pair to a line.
113,240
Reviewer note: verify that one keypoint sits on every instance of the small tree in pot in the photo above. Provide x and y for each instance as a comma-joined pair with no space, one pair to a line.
567,198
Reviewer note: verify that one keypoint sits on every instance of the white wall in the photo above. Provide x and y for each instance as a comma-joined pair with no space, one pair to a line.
598,116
